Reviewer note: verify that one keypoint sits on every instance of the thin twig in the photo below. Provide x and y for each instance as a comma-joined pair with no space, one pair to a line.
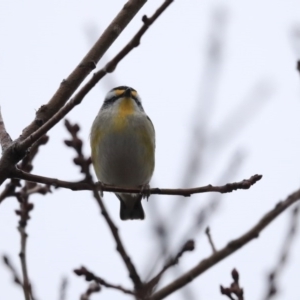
83,185
25,208
93,288
26,163
5,139
76,143
234,288
230,248
63,288
84,164
16,276
89,276
110,67
207,232
188,246
284,255
23,212
10,189
120,247
26,283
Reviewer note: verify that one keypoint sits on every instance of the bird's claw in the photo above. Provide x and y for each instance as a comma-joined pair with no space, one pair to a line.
145,191
100,186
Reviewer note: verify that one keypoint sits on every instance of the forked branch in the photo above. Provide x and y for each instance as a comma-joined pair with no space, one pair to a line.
110,67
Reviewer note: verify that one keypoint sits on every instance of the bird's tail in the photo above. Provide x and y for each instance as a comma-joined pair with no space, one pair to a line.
131,207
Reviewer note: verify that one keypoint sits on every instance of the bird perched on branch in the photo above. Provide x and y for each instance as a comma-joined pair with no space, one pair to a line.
123,146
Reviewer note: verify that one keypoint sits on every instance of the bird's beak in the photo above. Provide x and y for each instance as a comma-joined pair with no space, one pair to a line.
127,92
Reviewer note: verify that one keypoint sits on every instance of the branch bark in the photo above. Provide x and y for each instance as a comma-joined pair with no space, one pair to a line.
91,276
83,185
5,139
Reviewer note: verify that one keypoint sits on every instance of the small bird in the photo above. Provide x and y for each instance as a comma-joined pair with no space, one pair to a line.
123,146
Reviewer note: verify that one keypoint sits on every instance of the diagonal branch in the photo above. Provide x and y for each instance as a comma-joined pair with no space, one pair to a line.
120,248
188,246
273,286
16,276
230,248
46,112
84,185
89,276
84,68
5,138
109,68
210,240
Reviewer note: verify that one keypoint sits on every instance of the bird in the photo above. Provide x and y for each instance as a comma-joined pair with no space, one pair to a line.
123,148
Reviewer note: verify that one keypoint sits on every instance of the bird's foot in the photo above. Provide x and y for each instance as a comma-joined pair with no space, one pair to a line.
100,186
145,191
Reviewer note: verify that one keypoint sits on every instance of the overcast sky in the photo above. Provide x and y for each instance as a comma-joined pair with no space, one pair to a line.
245,98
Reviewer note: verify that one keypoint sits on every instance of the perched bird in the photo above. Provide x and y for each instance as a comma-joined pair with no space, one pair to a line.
123,146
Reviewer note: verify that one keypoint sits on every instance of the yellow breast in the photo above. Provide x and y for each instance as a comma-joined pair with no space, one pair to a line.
125,108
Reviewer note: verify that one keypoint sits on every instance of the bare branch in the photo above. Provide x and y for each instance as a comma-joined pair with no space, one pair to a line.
26,163
22,254
46,112
88,63
135,41
25,208
188,246
234,288
76,144
230,248
22,196
283,258
120,247
13,271
207,232
201,218
110,67
5,139
83,185
93,288
28,189
10,189
89,276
